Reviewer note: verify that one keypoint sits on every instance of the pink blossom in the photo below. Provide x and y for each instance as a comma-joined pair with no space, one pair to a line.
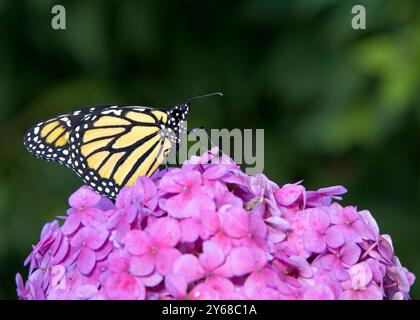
207,230
349,223
289,193
123,286
188,194
319,234
153,249
87,241
339,260
83,210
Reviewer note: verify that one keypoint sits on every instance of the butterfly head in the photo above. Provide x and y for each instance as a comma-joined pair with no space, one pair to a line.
177,117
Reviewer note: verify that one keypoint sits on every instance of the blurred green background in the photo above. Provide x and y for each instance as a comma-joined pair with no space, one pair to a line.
338,106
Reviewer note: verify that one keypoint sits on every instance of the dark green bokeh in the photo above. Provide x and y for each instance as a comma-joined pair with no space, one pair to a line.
338,106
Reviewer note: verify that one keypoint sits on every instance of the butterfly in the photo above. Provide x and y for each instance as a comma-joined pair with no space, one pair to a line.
109,147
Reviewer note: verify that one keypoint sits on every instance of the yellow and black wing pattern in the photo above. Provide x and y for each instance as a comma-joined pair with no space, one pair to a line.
109,147
49,139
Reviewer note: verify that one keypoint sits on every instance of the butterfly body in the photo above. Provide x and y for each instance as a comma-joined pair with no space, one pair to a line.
109,146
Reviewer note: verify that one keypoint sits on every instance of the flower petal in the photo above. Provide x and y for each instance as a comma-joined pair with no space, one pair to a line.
313,241
189,267
165,232
123,286
334,237
86,261
212,256
190,230
142,265
241,261
176,285
137,242
165,259
84,197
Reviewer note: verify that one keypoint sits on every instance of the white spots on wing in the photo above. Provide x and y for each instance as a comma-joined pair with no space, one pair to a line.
116,112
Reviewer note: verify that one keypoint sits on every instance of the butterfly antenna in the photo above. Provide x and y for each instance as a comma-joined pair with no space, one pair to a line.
203,96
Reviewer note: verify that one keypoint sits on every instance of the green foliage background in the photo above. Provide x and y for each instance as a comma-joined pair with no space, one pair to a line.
338,106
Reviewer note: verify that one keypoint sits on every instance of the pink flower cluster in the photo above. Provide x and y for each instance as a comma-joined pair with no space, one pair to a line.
209,231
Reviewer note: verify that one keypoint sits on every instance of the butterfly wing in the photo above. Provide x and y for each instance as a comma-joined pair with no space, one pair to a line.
110,148
49,139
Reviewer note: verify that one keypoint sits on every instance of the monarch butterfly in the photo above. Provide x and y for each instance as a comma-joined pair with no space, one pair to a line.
110,146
